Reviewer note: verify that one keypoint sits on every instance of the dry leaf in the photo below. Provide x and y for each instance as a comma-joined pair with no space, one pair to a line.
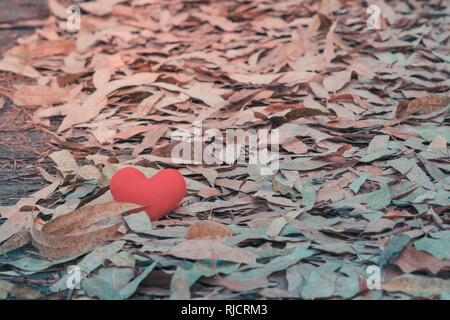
212,249
18,240
418,286
146,105
101,77
208,229
411,260
421,105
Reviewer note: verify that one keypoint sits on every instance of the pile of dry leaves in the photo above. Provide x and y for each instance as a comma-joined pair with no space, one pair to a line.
362,158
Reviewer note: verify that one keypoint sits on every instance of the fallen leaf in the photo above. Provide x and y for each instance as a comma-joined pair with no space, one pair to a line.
421,105
42,48
411,260
436,247
207,229
417,286
379,225
56,239
15,65
92,106
9,289
40,95
213,250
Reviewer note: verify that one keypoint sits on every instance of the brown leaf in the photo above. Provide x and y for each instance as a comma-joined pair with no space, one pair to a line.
18,240
66,235
418,286
15,65
208,229
42,48
295,146
57,9
244,285
83,217
61,246
336,81
19,292
378,225
99,7
40,95
304,112
101,77
92,106
438,143
328,53
69,144
411,260
296,114
212,249
421,105
151,137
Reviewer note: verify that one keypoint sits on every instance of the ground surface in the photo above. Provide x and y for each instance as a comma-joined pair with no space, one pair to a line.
359,159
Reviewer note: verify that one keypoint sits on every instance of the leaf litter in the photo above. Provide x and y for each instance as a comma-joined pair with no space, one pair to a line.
363,157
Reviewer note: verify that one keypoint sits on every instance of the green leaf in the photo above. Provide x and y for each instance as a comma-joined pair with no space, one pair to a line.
139,222
309,195
181,282
90,262
321,282
393,249
417,286
36,265
279,263
379,225
380,199
347,286
430,134
355,185
97,287
131,288
123,259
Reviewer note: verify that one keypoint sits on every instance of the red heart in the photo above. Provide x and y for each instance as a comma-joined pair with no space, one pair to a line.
160,194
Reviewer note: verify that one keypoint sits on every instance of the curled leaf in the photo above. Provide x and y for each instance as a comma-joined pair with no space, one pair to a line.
421,105
67,235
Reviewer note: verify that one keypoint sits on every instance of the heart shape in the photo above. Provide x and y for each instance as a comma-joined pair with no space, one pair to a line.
159,195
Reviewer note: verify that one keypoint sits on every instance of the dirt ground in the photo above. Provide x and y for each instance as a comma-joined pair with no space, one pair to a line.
21,144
